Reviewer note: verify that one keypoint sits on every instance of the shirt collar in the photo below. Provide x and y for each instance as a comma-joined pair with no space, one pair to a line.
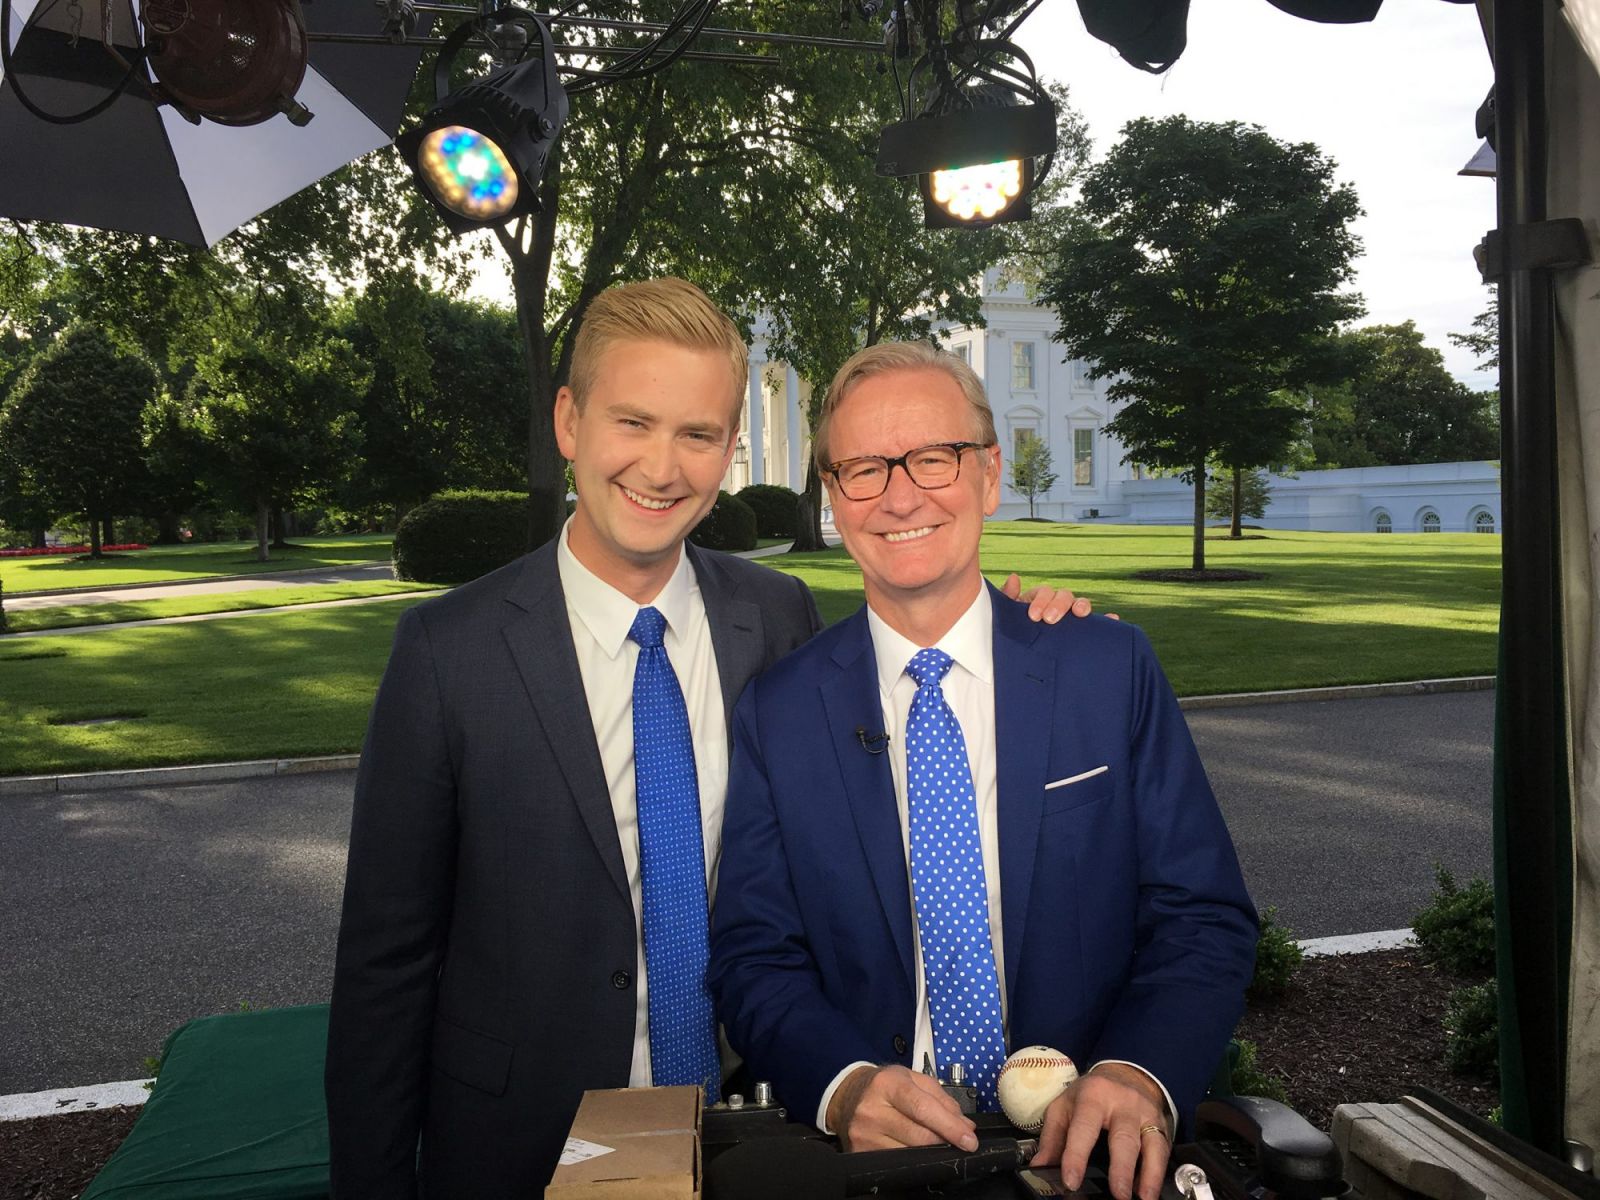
970,642
608,613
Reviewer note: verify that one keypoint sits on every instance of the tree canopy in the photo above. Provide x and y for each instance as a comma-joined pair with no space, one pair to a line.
1401,406
1203,271
71,432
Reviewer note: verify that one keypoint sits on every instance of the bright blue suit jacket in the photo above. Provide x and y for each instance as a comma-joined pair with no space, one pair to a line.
1127,930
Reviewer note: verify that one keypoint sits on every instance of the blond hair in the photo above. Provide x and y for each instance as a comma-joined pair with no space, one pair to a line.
665,310
902,356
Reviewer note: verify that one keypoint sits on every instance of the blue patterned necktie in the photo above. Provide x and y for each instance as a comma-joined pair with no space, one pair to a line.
672,870
947,881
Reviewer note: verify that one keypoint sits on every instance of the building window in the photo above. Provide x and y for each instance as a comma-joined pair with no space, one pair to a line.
1080,374
1383,523
1430,521
963,351
1020,437
1483,523
1083,458
1022,367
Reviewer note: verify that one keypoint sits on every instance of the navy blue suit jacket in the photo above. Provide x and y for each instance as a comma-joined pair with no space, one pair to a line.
484,976
1127,930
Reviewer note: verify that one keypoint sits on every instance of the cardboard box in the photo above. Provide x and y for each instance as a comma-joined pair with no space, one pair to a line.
632,1144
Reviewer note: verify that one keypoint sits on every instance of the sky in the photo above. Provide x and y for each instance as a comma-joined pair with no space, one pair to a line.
1390,101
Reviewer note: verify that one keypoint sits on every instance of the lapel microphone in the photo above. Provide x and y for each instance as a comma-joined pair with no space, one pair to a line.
872,743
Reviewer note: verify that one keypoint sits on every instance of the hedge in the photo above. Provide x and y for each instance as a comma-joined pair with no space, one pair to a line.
460,535
777,509
730,525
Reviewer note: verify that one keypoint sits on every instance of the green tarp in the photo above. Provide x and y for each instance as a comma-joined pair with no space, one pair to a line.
237,1114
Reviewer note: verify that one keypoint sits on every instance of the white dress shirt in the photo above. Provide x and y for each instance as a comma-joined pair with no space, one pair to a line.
969,690
600,617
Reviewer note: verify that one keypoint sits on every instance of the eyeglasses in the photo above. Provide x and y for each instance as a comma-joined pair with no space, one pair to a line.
929,467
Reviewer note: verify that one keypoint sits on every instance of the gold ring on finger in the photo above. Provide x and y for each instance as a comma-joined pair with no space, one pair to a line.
1153,1128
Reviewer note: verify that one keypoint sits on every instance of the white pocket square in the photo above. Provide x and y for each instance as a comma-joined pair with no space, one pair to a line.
1077,778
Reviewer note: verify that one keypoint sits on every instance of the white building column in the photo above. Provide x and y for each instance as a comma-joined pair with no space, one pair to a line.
757,430
791,404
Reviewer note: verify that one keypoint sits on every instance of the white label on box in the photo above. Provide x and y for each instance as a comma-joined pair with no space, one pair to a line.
577,1151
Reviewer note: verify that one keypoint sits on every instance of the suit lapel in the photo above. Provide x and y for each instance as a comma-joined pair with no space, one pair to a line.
1024,710
540,640
736,629
850,699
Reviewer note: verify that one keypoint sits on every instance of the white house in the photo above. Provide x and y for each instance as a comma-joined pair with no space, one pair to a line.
1036,392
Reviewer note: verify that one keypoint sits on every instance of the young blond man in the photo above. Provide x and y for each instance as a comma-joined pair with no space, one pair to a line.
495,950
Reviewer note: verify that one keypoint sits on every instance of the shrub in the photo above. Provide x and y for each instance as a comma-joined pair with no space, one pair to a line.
1472,1031
461,535
1278,956
1250,1080
730,525
1456,929
2,607
777,509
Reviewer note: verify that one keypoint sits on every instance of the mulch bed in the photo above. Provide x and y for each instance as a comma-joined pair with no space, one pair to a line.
1355,1027
55,1158
1190,575
1361,1027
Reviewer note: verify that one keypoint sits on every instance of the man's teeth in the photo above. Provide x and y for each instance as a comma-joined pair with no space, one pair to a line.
646,501
907,535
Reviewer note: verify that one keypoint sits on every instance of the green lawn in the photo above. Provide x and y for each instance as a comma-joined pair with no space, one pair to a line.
1334,608
285,685
20,621
191,562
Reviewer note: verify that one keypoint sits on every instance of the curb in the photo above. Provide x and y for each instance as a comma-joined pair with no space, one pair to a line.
101,781
165,583
225,615
74,1100
1357,943
1354,691
97,781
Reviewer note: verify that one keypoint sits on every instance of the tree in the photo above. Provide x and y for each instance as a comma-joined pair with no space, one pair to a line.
1202,272
276,414
447,404
72,430
1402,406
1031,475
1484,339
1237,494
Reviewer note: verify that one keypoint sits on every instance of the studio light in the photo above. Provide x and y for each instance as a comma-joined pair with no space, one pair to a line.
235,62
480,152
979,148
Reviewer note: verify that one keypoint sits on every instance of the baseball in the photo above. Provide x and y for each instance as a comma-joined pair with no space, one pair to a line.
1032,1078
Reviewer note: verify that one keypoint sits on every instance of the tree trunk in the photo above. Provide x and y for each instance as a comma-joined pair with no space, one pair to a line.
167,530
279,533
1237,530
94,537
530,281
36,538
263,529
808,536
1199,563
1030,506
107,532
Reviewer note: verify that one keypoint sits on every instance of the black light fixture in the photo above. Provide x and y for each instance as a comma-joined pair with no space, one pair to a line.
982,141
480,152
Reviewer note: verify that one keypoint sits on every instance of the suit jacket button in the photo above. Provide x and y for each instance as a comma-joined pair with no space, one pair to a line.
621,980
899,1044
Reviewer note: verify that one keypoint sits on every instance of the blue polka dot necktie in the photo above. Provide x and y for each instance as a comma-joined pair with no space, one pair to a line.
672,871
948,885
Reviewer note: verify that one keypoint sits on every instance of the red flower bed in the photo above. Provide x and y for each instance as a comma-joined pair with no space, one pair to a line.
33,551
